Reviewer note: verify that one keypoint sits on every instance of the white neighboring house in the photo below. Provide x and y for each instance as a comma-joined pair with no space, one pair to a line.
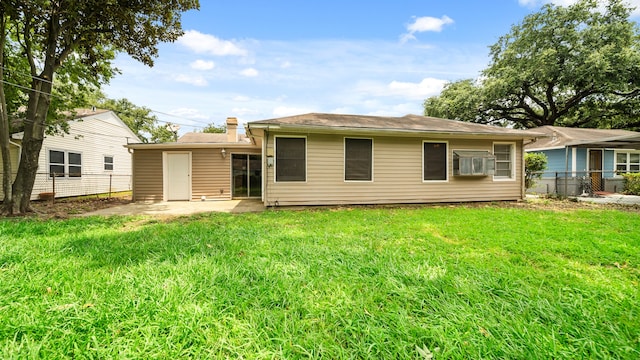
90,159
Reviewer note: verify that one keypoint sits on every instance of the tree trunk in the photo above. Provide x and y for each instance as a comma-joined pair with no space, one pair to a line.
7,202
36,116
39,100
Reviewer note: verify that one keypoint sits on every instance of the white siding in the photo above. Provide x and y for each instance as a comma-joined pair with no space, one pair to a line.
94,136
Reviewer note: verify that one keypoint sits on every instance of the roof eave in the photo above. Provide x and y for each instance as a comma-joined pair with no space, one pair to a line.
189,145
405,132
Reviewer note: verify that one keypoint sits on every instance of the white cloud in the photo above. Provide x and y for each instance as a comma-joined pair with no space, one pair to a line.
408,90
202,65
244,111
285,65
282,111
426,88
208,44
424,24
241,98
189,79
249,72
188,113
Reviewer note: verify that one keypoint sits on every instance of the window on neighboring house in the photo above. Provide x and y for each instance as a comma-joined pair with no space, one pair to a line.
63,164
358,159
108,163
291,159
504,161
434,167
56,163
627,161
75,164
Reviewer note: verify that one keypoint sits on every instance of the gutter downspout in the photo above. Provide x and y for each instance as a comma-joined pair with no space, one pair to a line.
265,172
566,169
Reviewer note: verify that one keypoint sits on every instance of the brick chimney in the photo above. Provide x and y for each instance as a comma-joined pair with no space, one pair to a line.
232,129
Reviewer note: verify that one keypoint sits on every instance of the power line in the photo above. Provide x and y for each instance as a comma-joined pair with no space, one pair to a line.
24,73
30,89
116,111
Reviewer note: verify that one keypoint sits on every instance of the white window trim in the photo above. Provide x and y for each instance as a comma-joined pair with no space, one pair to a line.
447,161
513,160
66,164
344,159
275,158
627,163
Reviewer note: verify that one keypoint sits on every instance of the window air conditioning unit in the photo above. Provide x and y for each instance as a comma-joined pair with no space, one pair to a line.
473,163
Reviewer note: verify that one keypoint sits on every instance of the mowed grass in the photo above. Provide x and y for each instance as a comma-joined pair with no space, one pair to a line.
442,281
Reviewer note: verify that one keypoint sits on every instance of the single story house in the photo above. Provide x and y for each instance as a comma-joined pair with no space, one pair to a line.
328,159
90,159
591,157
199,166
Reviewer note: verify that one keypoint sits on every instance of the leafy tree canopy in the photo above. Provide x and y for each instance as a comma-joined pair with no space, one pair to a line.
56,35
576,66
460,100
214,129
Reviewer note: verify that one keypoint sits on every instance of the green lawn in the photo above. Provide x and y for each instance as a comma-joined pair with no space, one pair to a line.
456,281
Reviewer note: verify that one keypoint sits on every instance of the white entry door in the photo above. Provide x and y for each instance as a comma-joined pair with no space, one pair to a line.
177,176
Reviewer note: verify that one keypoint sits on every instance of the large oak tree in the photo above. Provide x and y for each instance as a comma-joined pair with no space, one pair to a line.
576,66
51,33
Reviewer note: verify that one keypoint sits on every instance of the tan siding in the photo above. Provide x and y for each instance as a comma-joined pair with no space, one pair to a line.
397,176
147,179
14,158
211,173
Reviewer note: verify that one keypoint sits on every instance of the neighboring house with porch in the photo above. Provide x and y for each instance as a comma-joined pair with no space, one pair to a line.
90,159
325,159
581,158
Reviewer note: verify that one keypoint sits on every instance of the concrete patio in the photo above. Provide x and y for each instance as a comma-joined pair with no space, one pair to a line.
177,208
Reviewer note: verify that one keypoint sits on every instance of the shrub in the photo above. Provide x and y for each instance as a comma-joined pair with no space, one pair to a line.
534,164
632,183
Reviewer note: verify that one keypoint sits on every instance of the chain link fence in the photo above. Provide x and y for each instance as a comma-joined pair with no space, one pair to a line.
49,185
577,183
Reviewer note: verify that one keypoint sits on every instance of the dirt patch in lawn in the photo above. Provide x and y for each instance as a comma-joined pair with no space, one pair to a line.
65,208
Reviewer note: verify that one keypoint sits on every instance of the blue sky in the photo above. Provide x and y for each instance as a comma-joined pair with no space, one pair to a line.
264,59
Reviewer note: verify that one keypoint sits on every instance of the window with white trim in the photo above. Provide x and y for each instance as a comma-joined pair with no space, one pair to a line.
627,161
75,164
65,164
56,163
108,163
358,159
504,155
291,158
434,161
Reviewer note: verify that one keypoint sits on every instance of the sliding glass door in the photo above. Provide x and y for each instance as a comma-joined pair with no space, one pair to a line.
246,175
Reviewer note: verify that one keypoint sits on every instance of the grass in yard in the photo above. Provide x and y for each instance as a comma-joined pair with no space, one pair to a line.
454,282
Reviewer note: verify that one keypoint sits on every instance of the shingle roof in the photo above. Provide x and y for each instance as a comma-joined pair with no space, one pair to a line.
560,137
408,123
